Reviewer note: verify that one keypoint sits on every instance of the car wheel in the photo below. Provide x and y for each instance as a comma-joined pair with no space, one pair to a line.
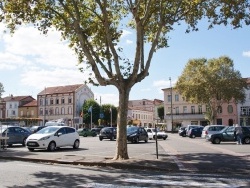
24,141
112,138
184,135
31,149
154,137
216,141
247,140
52,146
146,140
193,136
76,144
164,138
100,138
85,135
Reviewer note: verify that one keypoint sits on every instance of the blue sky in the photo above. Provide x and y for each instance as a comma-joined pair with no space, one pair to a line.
29,61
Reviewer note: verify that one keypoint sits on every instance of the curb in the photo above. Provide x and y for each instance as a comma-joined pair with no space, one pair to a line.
117,165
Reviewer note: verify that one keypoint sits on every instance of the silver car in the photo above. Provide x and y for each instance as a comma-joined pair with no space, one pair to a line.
15,134
211,129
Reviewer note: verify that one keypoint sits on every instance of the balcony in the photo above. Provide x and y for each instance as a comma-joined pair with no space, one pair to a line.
183,116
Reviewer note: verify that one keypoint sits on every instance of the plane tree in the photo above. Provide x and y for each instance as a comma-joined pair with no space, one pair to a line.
94,29
211,82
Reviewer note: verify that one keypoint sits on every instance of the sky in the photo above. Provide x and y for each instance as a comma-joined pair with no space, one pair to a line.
30,61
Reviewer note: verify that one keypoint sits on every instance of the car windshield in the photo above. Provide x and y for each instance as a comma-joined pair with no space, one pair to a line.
132,129
47,130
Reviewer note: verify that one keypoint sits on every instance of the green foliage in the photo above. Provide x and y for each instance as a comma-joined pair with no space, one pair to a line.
1,89
95,111
205,81
107,114
160,111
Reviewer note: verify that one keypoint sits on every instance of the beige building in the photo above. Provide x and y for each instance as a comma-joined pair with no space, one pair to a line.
28,112
63,102
144,111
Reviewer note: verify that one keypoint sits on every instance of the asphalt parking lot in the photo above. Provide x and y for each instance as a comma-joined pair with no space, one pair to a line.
176,154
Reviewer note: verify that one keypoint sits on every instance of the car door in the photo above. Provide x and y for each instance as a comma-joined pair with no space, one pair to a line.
19,134
228,135
70,136
60,137
11,134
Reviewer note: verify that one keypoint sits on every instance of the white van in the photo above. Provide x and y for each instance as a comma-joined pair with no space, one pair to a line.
211,129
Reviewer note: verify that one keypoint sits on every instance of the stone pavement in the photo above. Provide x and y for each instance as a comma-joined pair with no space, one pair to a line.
145,160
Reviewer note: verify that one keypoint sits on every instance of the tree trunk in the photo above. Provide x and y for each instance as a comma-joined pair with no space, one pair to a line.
121,140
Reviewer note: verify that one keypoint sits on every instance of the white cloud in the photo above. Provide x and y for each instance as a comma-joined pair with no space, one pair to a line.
246,53
107,98
126,33
129,41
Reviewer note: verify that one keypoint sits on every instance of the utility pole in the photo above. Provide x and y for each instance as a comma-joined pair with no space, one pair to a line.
171,94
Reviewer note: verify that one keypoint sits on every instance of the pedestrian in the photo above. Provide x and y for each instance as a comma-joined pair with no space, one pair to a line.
238,132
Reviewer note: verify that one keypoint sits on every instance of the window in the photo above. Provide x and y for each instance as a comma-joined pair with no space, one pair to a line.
51,101
51,111
41,102
13,112
177,110
57,101
62,110
21,113
32,112
62,101
10,105
176,97
57,110
230,109
41,111
69,100
219,109
184,109
143,102
46,111
193,109
169,98
200,109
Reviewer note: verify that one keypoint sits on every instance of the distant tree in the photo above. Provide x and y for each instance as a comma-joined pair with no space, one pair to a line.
160,112
107,113
211,82
94,29
1,89
89,105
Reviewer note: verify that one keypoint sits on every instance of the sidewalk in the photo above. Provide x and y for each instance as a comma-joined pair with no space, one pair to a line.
144,161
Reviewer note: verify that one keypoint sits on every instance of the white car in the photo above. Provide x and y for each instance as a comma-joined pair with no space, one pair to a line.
160,134
53,137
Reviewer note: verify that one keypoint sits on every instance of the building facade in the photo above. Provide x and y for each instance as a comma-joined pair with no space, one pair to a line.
244,108
179,112
28,112
63,102
144,111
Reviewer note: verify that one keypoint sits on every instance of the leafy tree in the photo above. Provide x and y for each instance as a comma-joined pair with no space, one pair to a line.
107,114
1,89
160,112
211,82
94,29
91,103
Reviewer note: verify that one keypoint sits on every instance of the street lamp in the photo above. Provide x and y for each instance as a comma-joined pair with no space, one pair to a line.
171,94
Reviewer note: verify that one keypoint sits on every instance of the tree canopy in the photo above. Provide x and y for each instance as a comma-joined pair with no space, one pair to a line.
94,29
1,89
211,82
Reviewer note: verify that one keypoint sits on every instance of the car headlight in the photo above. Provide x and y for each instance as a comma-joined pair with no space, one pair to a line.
44,138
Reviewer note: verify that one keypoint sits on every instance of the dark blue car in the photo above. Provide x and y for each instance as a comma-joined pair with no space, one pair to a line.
195,132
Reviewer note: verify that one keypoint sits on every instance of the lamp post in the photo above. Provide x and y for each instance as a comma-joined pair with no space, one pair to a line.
171,95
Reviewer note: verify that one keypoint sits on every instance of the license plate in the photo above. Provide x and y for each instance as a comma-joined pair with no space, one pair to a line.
31,144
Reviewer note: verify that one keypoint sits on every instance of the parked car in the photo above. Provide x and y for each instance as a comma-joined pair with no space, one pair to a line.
195,132
86,132
17,135
97,130
192,126
53,137
36,128
182,131
136,134
160,134
211,129
107,133
227,135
